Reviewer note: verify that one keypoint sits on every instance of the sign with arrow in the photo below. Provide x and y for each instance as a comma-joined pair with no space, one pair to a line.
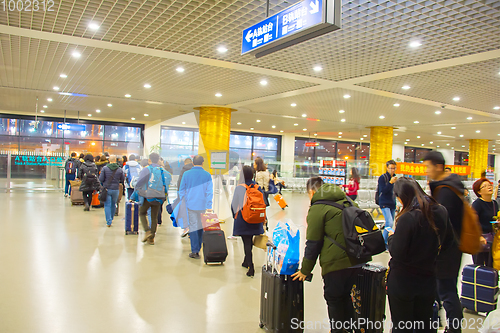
295,24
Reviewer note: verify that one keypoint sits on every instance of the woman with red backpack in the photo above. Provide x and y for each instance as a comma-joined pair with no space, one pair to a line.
249,213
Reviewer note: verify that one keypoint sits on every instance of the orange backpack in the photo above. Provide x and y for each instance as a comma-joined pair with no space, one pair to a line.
254,207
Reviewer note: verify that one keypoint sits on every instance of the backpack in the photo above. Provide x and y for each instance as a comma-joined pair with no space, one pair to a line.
470,236
377,193
91,176
254,206
70,166
363,238
157,189
132,175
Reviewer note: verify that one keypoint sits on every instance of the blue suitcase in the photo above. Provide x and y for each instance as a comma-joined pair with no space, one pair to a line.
479,288
131,218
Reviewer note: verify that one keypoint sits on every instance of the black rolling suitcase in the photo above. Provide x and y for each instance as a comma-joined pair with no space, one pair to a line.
282,300
369,296
214,246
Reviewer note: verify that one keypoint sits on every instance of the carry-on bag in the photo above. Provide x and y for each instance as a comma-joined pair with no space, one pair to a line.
210,221
76,195
214,246
281,202
282,299
479,288
131,218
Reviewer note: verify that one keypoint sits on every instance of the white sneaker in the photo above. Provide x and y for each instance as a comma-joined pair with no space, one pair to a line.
65,195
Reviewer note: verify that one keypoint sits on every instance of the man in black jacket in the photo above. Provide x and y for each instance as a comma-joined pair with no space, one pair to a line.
449,261
188,165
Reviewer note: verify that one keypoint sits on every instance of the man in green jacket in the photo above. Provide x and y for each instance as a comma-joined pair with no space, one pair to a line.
336,265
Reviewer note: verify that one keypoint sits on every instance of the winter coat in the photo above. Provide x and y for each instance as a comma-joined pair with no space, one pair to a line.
450,260
262,179
323,220
107,173
241,227
185,168
101,165
89,183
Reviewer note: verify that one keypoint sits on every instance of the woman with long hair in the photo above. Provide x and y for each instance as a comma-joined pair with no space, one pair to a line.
262,176
90,180
353,184
421,231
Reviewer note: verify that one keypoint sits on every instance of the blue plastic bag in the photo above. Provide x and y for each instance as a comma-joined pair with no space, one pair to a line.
286,238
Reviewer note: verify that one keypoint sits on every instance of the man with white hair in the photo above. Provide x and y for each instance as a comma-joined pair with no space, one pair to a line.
111,177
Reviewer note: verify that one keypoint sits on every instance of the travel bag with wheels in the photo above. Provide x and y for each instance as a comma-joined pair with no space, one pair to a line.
76,195
279,199
214,246
369,295
282,299
95,200
131,218
479,288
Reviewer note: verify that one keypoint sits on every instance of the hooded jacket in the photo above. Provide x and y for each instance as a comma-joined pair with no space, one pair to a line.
107,173
185,168
323,220
101,165
89,184
449,260
126,170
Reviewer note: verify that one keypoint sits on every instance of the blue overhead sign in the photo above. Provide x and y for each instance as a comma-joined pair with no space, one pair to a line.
302,21
71,127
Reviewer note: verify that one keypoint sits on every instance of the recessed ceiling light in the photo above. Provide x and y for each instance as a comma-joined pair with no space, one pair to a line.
453,128
76,54
341,111
415,43
395,134
431,142
315,134
218,95
154,102
416,122
405,87
342,120
304,129
469,118
406,143
447,144
110,105
293,105
437,112
56,88
365,136
222,49
146,115
456,99
361,139
318,68
180,69
274,126
42,111
340,136
437,146
463,146
63,76
304,115
251,128
396,105
478,131
295,124
461,135
281,131
98,111
238,123
382,117
183,123
90,115
263,83
407,140
147,86
346,96
340,133
496,108
439,133
93,26
258,120
418,137
422,144
49,99
45,106
132,118
128,95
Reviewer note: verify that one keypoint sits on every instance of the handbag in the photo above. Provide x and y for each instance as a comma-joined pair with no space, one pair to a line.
103,192
260,241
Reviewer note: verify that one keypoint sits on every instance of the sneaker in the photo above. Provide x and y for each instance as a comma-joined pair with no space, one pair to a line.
146,237
185,232
151,241
109,225
65,195
194,256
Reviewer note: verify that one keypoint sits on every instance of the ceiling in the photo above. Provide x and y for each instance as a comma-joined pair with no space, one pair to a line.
369,59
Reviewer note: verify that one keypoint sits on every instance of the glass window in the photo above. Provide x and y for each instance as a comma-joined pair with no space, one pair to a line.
409,155
363,153
39,128
8,126
83,146
303,153
40,145
326,150
91,132
120,148
346,151
122,133
240,141
9,143
243,154
176,137
267,155
491,161
265,143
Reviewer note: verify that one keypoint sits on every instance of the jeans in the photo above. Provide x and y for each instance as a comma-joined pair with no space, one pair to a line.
69,176
389,215
195,230
143,216
87,197
448,293
337,293
110,205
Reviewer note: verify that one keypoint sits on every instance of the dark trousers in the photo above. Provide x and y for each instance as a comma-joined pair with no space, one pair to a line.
69,176
87,197
247,246
337,293
353,197
160,210
411,300
483,259
448,294
143,216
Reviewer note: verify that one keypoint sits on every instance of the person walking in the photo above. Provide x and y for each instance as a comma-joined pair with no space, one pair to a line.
387,200
71,168
152,186
188,165
447,190
90,180
353,184
262,177
411,281
487,210
102,163
324,222
111,177
197,190
241,228
131,171
124,160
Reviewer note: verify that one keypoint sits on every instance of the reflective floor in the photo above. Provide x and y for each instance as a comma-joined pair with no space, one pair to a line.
62,270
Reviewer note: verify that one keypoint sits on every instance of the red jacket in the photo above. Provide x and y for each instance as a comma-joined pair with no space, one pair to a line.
352,187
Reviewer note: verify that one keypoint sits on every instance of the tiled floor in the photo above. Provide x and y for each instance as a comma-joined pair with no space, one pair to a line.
62,270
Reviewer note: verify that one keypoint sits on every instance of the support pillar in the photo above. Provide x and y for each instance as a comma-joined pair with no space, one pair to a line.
478,156
380,149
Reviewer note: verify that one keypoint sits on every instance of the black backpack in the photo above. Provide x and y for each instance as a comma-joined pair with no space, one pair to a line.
363,238
91,176
377,194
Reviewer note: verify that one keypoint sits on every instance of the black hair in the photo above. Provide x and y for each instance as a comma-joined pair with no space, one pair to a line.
82,155
188,161
89,158
198,160
247,173
435,157
73,154
131,157
314,183
275,173
447,169
97,158
391,162
154,157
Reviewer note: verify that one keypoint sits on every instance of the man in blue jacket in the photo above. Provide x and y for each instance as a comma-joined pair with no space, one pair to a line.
387,199
197,191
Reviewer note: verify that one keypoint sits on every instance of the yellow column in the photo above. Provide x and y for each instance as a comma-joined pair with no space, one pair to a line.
478,156
380,149
215,128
